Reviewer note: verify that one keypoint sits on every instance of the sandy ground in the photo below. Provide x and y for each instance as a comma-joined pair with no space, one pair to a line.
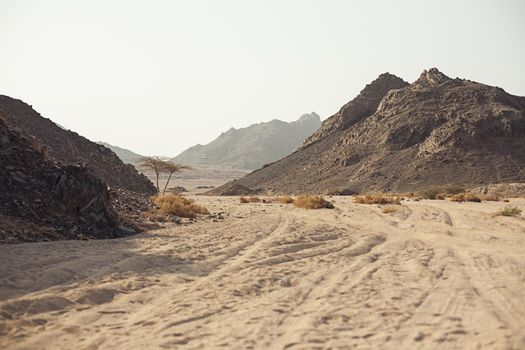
194,180
434,274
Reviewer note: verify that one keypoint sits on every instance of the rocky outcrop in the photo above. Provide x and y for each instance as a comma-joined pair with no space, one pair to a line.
252,147
232,189
40,200
361,107
69,148
434,131
501,190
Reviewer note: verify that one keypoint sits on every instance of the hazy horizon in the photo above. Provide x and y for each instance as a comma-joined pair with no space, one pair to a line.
157,78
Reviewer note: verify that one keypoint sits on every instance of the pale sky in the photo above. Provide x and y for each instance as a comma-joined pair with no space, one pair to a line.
159,76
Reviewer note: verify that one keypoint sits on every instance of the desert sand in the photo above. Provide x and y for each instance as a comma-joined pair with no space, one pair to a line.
434,274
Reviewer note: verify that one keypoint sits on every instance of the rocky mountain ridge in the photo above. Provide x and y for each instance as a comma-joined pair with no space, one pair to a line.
436,130
361,107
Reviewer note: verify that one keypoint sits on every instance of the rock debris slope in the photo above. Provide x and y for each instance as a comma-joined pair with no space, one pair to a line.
40,200
436,130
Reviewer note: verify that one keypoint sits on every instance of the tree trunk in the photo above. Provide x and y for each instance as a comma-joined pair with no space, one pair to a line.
158,189
167,182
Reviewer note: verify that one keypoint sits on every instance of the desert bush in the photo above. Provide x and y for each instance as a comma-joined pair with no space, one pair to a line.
389,210
170,204
312,202
489,198
155,215
508,211
465,197
377,199
432,192
252,199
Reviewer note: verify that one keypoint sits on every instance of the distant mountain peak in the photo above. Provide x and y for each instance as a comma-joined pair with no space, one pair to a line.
431,77
309,116
252,147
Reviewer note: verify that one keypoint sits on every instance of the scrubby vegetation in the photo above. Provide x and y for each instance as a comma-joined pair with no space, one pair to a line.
172,205
465,197
377,199
489,198
508,211
440,192
312,202
252,199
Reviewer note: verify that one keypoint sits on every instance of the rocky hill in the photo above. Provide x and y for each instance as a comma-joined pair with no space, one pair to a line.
361,107
436,130
127,156
40,200
252,147
68,147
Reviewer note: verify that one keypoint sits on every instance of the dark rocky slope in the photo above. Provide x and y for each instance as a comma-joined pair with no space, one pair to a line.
437,130
40,200
68,147
251,147
127,156
361,107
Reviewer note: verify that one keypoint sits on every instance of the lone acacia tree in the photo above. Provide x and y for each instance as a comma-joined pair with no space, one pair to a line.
159,166
170,168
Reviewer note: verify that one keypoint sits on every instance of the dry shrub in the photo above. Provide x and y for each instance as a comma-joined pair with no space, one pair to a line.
489,198
285,199
252,199
312,202
465,197
155,215
508,211
170,204
433,192
377,199
389,210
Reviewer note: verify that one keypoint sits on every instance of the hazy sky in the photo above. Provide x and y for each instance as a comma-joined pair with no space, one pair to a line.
160,76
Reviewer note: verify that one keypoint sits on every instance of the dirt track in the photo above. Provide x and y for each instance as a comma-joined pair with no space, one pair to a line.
434,274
